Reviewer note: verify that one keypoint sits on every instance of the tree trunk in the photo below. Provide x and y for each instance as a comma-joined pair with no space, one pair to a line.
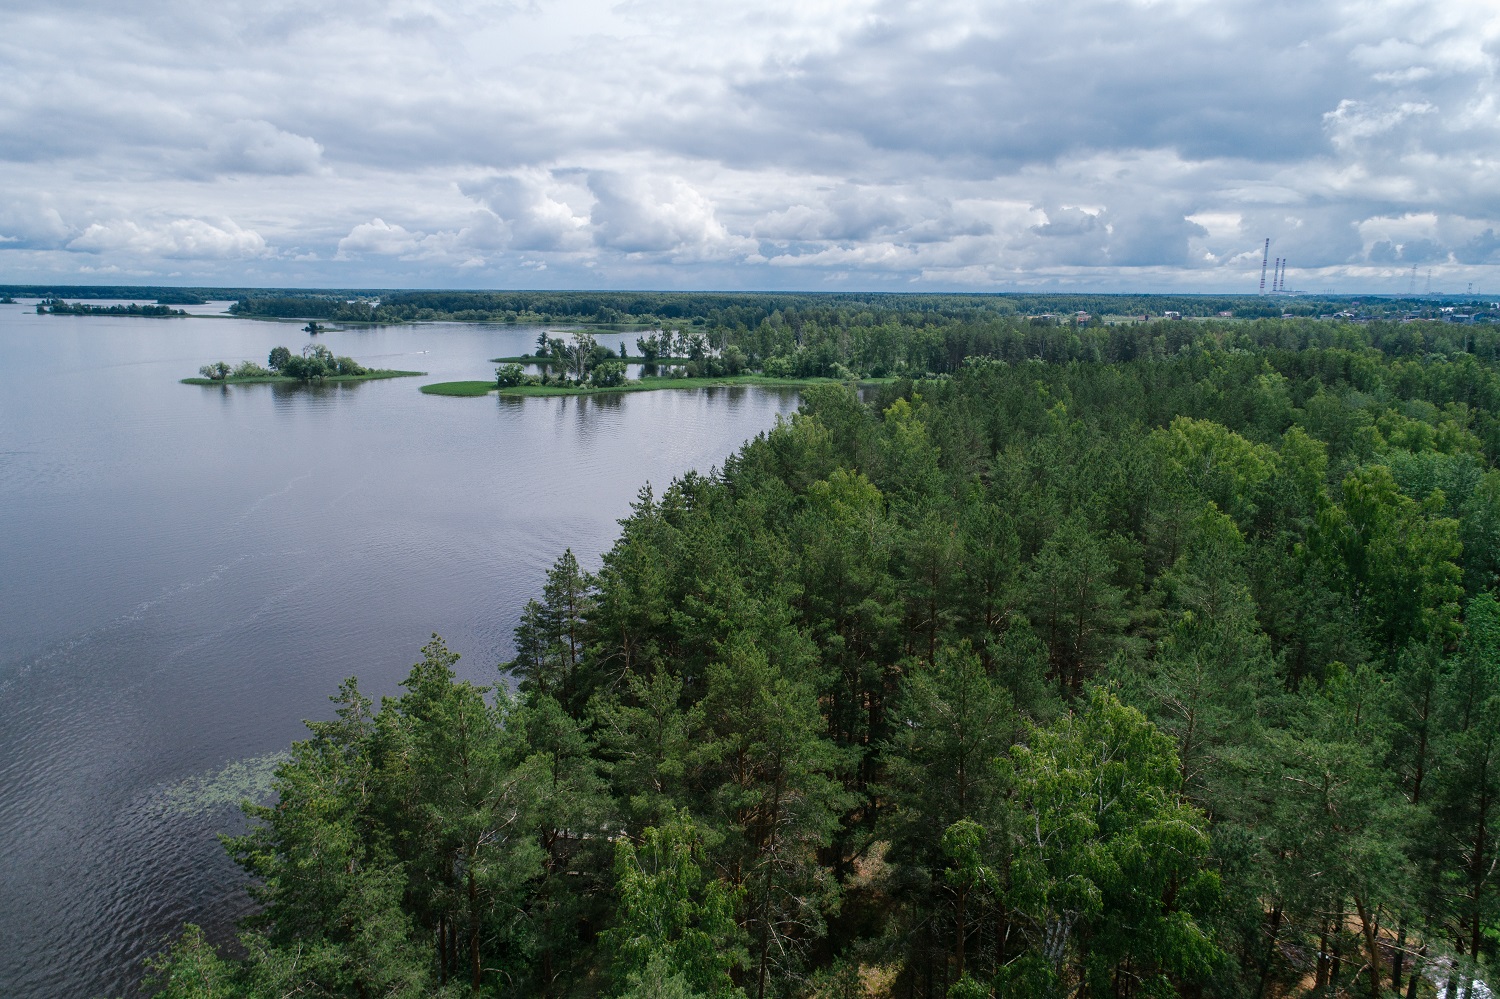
1372,943
962,931
1265,964
1398,958
1320,977
475,964
1416,974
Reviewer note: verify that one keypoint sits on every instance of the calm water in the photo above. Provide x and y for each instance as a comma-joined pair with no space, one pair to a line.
186,573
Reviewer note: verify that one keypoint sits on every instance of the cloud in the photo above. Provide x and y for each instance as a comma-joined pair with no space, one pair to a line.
1481,249
32,226
181,239
532,208
952,144
380,238
1067,221
260,147
660,215
1353,121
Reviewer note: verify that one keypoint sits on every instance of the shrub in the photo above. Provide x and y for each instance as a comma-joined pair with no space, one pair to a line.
508,375
607,373
249,369
778,367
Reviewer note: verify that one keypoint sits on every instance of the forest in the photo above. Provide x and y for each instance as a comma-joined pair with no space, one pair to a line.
1142,661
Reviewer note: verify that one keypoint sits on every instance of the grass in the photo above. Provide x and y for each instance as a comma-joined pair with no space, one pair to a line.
460,388
283,380
476,388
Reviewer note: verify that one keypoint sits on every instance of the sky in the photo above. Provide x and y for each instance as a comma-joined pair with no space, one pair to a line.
1010,145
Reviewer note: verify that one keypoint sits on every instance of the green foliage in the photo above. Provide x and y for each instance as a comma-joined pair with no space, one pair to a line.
607,373
1130,661
190,969
249,369
1396,557
1111,870
674,923
508,375
58,307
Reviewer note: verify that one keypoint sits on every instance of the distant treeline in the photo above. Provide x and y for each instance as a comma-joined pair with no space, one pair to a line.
747,310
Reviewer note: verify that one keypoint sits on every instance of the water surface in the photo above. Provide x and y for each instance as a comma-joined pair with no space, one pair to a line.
187,572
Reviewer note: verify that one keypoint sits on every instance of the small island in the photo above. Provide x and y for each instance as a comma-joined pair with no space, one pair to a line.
58,307
316,363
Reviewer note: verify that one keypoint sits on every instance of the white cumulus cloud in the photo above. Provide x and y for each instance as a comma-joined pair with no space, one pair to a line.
180,239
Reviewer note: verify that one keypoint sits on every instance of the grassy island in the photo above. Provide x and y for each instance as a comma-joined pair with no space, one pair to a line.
470,388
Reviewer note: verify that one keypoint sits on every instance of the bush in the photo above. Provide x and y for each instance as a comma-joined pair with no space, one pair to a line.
508,375
217,371
733,359
607,374
249,369
778,367
349,366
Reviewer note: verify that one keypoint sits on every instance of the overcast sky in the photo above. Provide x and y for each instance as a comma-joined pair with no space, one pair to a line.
818,144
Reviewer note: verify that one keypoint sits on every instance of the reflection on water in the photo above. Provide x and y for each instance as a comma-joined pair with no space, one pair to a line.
188,572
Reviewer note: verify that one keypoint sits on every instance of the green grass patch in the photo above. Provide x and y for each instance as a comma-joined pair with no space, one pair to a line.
368,376
459,388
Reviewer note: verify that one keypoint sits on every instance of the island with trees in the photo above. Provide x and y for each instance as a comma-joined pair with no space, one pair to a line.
315,364
1159,661
58,307
581,365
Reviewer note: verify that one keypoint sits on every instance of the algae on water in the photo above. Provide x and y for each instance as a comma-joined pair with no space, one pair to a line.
224,788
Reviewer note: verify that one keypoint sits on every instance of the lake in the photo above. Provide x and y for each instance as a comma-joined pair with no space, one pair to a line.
186,573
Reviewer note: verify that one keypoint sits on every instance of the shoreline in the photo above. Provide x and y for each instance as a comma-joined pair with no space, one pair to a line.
475,389
533,359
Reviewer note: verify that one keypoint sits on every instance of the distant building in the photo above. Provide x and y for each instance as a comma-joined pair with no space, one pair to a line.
1226,314
1171,315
